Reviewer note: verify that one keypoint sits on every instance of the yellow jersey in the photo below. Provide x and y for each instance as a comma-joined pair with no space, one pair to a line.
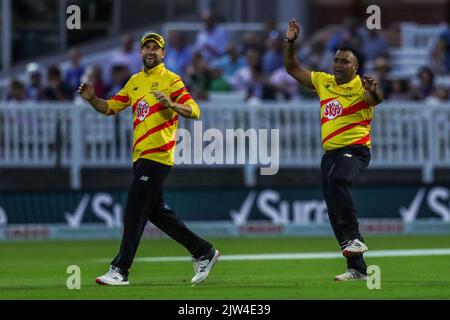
154,125
345,116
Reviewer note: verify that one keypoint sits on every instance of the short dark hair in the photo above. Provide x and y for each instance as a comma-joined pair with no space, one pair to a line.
355,53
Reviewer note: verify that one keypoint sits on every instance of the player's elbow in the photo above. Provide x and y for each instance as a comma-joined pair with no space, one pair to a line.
195,112
195,115
381,100
108,112
290,68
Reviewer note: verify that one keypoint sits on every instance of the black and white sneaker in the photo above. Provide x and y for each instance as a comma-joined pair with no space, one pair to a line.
350,275
114,277
353,248
203,266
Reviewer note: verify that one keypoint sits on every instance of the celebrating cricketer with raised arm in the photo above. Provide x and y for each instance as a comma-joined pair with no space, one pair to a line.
157,96
347,104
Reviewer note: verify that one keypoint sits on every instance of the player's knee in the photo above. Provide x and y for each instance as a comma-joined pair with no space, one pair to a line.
155,218
163,211
164,207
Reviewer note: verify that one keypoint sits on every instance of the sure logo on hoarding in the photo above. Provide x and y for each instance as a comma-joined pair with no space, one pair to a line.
102,206
270,205
437,200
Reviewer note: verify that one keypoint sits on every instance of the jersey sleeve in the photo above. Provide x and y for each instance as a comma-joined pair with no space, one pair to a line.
179,94
119,102
316,78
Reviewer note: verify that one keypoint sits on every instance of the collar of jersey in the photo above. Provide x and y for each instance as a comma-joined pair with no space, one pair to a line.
347,84
153,70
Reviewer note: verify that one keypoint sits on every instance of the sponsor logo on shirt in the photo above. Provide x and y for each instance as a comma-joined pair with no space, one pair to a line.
142,110
332,110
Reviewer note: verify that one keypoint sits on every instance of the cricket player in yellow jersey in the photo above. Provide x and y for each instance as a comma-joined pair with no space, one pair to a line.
347,105
157,97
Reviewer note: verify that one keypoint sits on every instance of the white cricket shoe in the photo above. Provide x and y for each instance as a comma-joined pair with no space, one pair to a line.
354,248
114,277
203,266
349,275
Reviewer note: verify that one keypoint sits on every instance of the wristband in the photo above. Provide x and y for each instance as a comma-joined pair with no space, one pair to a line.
288,41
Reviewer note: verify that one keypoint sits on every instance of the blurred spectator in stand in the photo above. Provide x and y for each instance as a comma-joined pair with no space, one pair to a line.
393,34
440,54
252,41
218,81
273,55
212,41
271,30
375,45
445,43
252,79
35,88
75,71
381,68
120,74
399,90
94,74
128,54
439,95
178,54
315,55
57,89
198,76
16,91
350,36
17,96
285,86
100,87
422,86
229,63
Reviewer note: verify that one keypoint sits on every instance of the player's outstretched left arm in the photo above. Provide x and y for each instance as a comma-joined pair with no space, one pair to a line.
373,94
184,110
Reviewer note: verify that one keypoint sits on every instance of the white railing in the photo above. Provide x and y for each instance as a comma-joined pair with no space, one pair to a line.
404,135
414,35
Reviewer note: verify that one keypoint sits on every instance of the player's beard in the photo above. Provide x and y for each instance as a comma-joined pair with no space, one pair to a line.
148,65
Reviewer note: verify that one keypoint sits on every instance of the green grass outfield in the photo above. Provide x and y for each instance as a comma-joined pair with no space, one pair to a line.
37,270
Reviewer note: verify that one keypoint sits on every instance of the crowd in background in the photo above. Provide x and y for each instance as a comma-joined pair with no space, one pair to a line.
251,63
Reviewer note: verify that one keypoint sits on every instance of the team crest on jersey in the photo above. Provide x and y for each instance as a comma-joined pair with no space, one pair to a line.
142,110
332,109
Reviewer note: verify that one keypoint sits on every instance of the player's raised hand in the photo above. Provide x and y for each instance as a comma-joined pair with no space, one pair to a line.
369,83
86,90
293,30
